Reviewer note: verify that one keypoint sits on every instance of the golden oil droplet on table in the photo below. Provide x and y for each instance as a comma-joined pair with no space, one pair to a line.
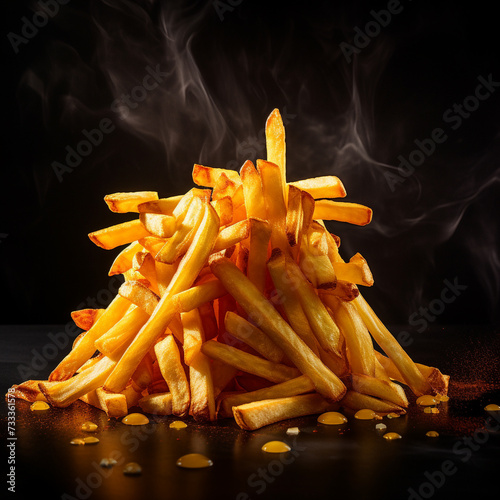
194,461
90,440
365,414
427,400
135,419
492,407
332,418
276,447
39,406
178,424
432,434
393,415
430,409
132,469
77,442
391,436
88,426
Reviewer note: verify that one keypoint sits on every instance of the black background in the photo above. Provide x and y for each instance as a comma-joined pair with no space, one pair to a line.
223,73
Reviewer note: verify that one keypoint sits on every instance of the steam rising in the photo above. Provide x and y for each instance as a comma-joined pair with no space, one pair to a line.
214,97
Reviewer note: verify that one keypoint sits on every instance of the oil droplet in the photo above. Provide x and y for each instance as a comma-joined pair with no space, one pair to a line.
39,406
90,440
442,397
135,419
293,431
432,434
427,400
178,424
492,407
108,462
365,414
431,410
77,442
393,415
276,447
88,426
381,427
194,461
132,469
391,436
332,418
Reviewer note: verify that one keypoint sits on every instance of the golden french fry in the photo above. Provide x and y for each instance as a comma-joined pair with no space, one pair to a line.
292,387
231,235
260,234
30,390
249,363
254,337
157,404
224,209
139,295
342,211
344,290
123,261
327,186
207,176
165,206
120,234
355,271
294,219
169,361
128,202
162,226
382,389
85,318
276,145
252,416
252,191
146,266
356,401
262,313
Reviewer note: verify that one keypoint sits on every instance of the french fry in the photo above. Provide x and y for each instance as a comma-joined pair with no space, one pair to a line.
165,206
344,290
207,176
249,363
120,234
389,391
146,266
342,211
252,416
292,387
162,226
272,324
246,332
123,261
260,234
157,404
355,271
171,368
224,209
409,371
294,219
86,347
276,146
139,295
356,401
128,202
231,235
30,390
252,191
85,318
327,186
189,267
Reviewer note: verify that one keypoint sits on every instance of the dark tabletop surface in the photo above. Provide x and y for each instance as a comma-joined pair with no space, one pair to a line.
348,462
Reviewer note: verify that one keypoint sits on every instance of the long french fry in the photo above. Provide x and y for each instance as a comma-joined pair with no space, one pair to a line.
342,211
276,145
207,176
162,226
128,202
356,401
157,404
231,235
123,261
252,191
260,234
140,295
382,389
327,186
261,311
189,267
165,206
120,234
252,416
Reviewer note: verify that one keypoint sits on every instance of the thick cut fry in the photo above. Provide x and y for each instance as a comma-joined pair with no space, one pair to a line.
325,329
85,318
86,348
162,226
164,274
355,271
276,145
146,265
252,416
249,363
165,206
224,186
207,176
356,401
275,203
344,290
224,209
342,211
143,375
189,267
382,389
169,361
316,266
293,387
139,295
411,374
294,219
120,234
327,186
254,337
122,332
128,202
252,191
198,295
157,404
30,390
360,352
260,234
123,261
231,235
265,316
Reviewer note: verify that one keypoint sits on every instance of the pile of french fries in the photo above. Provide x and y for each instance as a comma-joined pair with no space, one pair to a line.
236,303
